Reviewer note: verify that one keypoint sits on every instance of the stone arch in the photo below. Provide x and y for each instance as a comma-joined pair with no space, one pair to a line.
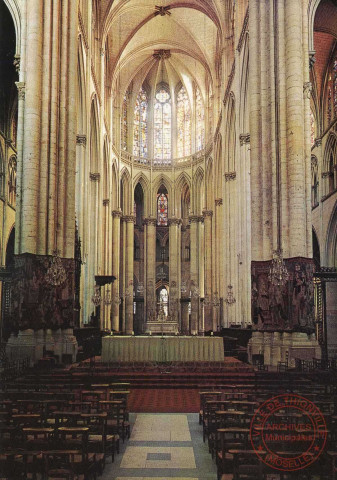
145,184
114,186
331,240
329,163
162,180
15,12
94,137
209,194
182,185
126,193
198,192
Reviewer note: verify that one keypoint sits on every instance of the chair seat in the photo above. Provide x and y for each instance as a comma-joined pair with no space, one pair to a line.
99,438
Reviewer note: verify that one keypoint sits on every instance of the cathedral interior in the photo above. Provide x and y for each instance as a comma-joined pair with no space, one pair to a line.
168,181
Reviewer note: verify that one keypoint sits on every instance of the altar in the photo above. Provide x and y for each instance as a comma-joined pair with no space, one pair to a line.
162,349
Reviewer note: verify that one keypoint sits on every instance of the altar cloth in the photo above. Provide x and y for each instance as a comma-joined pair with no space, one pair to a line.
162,349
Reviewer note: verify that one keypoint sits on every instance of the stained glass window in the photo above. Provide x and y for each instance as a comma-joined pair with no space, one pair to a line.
312,126
183,124
162,126
200,120
125,122
140,126
162,209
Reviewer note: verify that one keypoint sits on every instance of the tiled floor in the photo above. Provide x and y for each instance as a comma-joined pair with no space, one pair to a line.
163,446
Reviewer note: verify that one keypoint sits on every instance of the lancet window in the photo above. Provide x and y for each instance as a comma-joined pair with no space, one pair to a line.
183,124
140,125
162,125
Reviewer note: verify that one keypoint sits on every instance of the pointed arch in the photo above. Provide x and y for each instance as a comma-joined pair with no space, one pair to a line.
331,240
114,186
198,192
164,180
126,192
145,184
94,136
329,164
182,195
209,194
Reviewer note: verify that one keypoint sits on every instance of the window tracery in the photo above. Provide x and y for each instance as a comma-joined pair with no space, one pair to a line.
12,181
162,125
125,122
200,120
183,124
162,209
140,125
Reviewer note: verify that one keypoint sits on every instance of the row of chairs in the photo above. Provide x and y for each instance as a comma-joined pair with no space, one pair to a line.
67,433
226,417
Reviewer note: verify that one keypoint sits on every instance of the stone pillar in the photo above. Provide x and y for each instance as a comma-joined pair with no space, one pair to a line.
174,266
129,219
43,282
185,327
194,276
280,162
116,216
150,262
208,214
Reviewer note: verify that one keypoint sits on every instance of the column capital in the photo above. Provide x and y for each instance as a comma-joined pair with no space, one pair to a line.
150,221
129,218
207,213
230,176
81,140
244,138
318,142
218,202
95,177
106,202
312,58
174,221
307,90
193,218
21,86
117,213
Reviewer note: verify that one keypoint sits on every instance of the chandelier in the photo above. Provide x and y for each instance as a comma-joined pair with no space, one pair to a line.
96,298
56,274
278,273
107,298
140,288
230,300
183,287
216,300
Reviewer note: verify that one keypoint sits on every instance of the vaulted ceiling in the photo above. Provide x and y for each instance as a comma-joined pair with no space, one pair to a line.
188,30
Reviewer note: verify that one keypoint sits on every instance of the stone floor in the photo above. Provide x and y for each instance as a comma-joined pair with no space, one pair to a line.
163,446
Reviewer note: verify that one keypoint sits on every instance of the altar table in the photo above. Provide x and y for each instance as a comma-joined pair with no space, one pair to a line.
162,349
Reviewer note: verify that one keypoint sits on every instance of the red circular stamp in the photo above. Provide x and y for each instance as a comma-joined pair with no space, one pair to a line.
288,432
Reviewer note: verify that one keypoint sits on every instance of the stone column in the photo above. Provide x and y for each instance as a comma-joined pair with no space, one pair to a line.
43,286
280,162
116,217
150,262
174,266
194,275
129,219
208,214
185,327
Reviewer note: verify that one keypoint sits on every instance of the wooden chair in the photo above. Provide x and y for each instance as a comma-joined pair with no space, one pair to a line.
246,465
229,438
38,438
99,440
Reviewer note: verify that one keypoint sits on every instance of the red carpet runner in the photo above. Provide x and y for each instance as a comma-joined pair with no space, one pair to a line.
164,400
